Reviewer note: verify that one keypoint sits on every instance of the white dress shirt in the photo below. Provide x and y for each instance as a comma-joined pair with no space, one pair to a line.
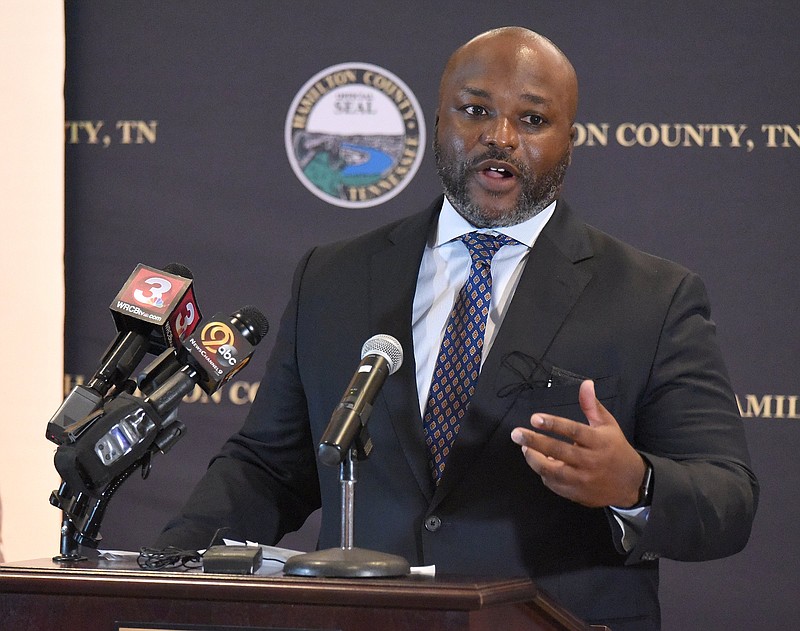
443,272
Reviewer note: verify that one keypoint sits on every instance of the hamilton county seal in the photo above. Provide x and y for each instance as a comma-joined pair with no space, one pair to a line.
355,135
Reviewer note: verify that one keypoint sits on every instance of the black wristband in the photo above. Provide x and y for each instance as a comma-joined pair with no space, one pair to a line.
646,489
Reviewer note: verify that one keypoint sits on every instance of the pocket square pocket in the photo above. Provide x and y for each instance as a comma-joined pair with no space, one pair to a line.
519,372
560,400
562,377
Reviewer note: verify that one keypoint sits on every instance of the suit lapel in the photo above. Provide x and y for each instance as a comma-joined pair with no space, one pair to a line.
548,289
393,278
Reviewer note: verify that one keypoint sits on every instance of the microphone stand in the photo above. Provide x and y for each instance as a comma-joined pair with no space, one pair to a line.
347,561
70,552
82,513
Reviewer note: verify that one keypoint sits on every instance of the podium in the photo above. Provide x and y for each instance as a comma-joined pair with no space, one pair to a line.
97,595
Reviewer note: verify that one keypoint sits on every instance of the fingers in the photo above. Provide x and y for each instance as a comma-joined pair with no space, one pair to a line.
570,430
547,468
587,399
532,449
565,439
557,475
552,433
573,431
590,464
567,449
594,411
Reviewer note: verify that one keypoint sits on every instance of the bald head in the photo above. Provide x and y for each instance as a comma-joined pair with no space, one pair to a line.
512,45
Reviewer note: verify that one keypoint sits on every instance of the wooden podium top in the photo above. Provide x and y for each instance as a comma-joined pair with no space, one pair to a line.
125,578
120,590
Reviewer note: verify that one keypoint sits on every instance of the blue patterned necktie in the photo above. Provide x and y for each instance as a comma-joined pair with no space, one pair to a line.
459,360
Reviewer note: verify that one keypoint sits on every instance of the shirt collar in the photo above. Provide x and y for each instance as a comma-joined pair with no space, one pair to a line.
452,225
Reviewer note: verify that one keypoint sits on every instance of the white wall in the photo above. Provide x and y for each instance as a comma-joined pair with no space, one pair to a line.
31,270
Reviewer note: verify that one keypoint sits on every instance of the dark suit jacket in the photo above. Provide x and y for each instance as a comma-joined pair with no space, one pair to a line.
587,305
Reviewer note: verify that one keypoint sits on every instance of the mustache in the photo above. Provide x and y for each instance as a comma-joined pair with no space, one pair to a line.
495,153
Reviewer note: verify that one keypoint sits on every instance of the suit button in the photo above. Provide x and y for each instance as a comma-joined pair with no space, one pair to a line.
433,523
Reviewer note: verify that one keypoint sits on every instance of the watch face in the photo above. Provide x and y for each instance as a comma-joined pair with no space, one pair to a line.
647,485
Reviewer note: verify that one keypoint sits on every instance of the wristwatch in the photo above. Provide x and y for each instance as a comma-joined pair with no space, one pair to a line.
646,489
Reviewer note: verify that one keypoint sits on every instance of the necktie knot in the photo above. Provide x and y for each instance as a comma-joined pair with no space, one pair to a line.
482,246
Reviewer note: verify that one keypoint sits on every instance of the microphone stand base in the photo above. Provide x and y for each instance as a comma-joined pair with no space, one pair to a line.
69,558
346,563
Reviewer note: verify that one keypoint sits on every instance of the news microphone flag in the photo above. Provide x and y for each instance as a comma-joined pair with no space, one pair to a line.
161,300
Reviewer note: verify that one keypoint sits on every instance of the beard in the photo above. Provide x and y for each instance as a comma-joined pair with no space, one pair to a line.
537,190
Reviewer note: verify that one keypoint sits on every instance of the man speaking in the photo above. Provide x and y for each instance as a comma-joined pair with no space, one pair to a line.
563,411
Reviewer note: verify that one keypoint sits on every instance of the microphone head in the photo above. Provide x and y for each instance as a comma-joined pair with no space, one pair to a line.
252,324
387,347
178,270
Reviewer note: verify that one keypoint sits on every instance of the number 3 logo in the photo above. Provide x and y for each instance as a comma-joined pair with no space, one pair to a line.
158,287
182,323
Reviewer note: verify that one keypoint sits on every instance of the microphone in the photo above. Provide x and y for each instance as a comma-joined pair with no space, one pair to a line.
159,303
209,358
381,356
130,426
155,309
